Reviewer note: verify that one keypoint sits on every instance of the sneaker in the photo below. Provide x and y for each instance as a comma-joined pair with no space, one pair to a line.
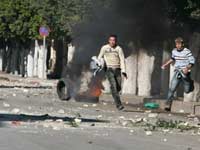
168,105
120,107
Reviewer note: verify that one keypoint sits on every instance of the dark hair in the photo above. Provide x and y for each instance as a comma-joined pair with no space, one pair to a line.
113,35
179,40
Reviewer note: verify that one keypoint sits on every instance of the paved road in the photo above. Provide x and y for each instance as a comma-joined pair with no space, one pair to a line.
36,131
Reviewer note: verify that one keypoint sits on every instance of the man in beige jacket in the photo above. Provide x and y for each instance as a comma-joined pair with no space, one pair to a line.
115,66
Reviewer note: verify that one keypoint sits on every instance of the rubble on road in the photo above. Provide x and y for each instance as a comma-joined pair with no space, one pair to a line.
15,110
61,111
148,133
6,105
154,123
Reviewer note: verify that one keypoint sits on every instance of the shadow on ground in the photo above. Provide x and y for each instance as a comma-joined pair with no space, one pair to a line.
32,118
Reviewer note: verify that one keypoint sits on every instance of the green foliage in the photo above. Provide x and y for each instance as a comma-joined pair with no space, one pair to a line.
184,11
21,19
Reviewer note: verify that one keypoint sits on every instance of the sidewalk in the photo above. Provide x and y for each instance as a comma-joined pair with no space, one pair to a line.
178,106
12,81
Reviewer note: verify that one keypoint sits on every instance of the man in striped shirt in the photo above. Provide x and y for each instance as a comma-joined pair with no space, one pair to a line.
183,61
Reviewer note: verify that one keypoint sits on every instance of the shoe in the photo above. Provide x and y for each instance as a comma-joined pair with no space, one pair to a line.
168,105
120,107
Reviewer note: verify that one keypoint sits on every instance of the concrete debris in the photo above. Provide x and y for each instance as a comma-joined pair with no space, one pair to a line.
152,115
181,111
169,115
138,120
148,111
94,105
121,117
59,120
6,105
78,121
124,123
165,140
85,105
56,128
104,103
166,131
196,120
15,110
61,111
191,116
148,133
14,95
99,116
131,131
25,90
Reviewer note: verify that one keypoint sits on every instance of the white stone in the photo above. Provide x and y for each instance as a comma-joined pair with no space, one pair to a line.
121,117
25,90
104,103
15,110
99,116
165,140
152,115
94,105
6,104
181,111
131,131
85,105
148,133
78,121
56,128
61,111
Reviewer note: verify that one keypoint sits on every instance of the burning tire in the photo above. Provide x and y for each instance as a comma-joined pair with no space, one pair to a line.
63,89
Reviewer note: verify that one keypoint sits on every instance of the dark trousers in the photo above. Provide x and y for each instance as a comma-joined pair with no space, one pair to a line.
176,80
114,77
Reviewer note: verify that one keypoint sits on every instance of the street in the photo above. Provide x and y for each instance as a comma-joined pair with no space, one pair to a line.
37,119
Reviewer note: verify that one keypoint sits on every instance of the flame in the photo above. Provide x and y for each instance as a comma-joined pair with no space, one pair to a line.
95,91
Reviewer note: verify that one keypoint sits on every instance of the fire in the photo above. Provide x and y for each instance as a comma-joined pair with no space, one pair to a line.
95,91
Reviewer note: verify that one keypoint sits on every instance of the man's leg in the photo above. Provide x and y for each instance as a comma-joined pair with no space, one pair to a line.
173,86
113,85
118,79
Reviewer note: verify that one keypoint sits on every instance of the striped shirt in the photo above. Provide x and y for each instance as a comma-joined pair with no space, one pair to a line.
182,58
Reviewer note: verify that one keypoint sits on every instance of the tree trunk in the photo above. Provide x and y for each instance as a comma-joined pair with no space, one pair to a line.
1,59
71,52
194,46
42,62
130,85
145,69
36,56
165,75
30,64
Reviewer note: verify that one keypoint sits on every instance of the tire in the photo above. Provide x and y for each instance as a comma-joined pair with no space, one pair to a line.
63,89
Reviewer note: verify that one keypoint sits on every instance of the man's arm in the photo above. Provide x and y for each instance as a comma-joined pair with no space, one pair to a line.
191,62
101,53
167,63
122,63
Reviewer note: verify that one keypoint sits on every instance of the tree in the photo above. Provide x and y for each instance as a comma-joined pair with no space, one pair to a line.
184,11
21,19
